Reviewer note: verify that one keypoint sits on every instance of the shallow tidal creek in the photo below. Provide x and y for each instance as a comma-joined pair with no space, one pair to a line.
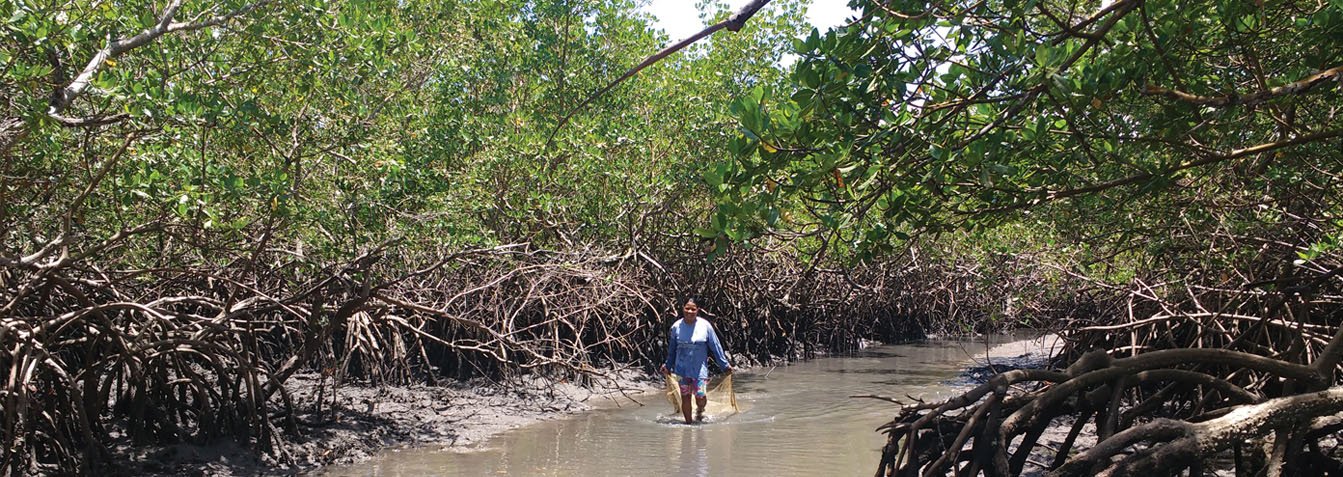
794,420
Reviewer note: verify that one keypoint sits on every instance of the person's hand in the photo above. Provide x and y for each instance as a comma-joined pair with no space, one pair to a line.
664,370
729,370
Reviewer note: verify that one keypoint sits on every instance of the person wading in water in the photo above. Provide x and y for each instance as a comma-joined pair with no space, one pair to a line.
692,340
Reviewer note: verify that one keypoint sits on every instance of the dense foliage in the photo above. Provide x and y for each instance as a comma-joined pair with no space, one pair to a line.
1183,157
200,199
1105,123
353,119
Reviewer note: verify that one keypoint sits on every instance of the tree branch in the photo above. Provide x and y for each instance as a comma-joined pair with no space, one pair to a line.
88,122
1334,74
120,46
1144,176
733,23
1243,423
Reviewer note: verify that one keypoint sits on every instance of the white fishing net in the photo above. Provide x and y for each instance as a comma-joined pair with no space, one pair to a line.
722,400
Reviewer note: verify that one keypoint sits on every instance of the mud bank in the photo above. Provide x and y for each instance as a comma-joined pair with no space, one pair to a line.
359,421
1035,353
1029,353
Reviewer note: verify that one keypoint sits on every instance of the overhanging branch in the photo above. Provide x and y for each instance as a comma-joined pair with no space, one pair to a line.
120,46
732,23
1208,158
1334,74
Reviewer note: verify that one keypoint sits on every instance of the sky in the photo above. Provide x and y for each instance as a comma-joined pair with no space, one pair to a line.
680,18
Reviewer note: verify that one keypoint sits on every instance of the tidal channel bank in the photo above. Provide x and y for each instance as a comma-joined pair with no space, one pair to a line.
361,422
533,426
803,419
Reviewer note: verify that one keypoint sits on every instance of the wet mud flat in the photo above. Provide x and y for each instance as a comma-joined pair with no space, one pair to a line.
362,421
799,419
408,428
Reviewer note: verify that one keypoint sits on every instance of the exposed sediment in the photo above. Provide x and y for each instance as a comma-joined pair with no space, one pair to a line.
359,421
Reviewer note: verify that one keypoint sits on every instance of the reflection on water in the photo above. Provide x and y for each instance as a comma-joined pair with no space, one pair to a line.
795,420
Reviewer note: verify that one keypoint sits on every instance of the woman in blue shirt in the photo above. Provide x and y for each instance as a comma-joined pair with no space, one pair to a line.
691,341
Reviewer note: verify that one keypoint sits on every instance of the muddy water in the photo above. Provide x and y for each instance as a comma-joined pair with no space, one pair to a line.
795,420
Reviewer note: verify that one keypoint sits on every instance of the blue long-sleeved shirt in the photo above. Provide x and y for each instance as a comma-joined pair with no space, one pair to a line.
689,346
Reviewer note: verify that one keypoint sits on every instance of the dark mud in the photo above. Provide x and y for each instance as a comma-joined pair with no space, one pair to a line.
361,421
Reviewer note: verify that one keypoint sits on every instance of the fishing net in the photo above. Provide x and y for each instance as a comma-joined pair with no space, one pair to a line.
722,400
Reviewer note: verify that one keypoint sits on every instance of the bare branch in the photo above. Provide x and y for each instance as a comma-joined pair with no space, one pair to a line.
88,122
115,48
733,23
1144,176
1331,75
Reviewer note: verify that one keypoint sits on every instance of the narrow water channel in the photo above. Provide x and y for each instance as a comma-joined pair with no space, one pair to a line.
795,420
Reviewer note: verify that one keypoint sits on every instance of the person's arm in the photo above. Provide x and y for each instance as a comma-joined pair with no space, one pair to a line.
716,349
670,364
